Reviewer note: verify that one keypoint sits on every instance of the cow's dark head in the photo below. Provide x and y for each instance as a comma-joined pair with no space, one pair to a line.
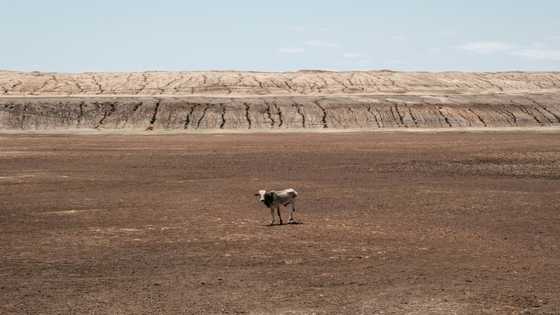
265,197
260,194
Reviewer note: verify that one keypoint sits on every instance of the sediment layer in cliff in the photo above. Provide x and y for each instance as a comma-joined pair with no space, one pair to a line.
294,112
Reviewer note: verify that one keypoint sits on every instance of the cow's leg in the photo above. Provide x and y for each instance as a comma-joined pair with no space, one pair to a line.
292,210
272,215
278,211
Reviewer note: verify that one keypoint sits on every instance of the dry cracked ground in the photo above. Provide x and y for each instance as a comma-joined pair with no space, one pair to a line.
392,223
246,101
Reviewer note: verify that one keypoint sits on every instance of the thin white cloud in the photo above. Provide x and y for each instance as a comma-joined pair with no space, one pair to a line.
320,43
448,33
352,55
486,47
399,38
435,51
297,28
538,45
294,50
538,54
538,51
395,62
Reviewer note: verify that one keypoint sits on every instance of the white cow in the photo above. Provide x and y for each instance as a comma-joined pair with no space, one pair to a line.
273,200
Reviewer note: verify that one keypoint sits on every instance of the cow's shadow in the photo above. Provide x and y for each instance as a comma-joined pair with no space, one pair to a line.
284,224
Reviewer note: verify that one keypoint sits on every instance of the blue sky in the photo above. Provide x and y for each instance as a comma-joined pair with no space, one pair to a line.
430,35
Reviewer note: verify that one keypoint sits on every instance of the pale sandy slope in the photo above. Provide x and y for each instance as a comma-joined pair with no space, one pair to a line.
234,83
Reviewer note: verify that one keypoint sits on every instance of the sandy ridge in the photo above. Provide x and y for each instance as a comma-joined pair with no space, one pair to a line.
235,83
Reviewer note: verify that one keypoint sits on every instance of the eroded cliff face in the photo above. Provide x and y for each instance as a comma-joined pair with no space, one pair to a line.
394,111
264,101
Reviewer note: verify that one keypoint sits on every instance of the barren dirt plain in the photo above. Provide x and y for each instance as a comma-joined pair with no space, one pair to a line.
392,223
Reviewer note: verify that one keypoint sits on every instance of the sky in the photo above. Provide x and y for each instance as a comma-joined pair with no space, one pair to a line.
287,35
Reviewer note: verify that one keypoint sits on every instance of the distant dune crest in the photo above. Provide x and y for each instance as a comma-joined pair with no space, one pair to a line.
304,82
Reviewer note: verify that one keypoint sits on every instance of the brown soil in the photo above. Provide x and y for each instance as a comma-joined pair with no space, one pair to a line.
396,223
